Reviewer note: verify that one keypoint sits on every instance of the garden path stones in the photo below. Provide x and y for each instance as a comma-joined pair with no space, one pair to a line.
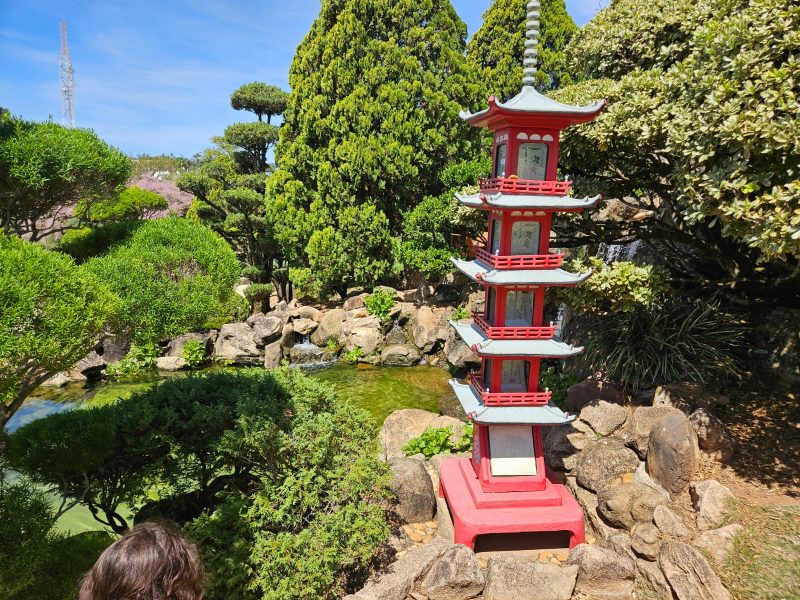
416,502
602,573
711,501
511,577
689,574
602,460
672,454
604,417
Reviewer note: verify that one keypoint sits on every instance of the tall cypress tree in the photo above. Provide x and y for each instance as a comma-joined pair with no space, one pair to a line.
373,115
496,50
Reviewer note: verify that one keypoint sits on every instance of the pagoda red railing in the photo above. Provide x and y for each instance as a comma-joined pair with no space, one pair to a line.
508,398
525,186
513,333
521,261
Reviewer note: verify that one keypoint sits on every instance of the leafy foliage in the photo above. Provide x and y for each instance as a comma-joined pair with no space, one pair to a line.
673,340
258,295
138,359
45,168
133,203
194,353
437,440
558,382
52,314
261,99
172,276
88,242
380,303
352,356
460,313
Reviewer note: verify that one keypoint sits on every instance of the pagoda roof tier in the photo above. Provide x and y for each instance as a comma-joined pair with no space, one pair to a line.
549,414
481,273
501,201
481,344
529,108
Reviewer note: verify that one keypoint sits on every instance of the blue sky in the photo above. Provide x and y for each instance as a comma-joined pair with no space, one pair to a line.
155,77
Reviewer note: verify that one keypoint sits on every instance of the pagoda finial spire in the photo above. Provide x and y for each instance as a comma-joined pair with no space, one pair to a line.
531,43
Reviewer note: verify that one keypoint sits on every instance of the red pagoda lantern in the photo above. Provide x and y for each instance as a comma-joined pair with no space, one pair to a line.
506,487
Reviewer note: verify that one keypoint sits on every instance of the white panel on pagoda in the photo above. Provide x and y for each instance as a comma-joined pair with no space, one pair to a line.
531,101
478,271
499,200
548,414
476,339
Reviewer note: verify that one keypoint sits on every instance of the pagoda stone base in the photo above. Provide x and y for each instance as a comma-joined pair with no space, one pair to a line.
476,512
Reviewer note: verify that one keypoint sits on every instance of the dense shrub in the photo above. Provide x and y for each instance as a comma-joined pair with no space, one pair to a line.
132,203
172,275
88,242
380,303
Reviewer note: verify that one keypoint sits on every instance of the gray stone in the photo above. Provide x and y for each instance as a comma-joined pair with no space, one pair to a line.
427,328
589,390
651,573
266,328
354,302
170,363
689,574
114,350
273,354
456,575
712,502
402,425
235,343
687,397
329,328
175,346
640,424
626,504
400,356
304,326
444,522
588,500
457,352
511,577
645,541
397,336
401,577
412,485
670,523
672,455
90,366
57,380
602,460
602,573
620,543
713,437
718,543
604,417
308,312
562,444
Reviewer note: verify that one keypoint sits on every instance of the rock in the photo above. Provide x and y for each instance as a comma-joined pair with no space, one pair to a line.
686,397
602,573
273,354
57,380
562,444
401,577
304,326
235,343
397,336
362,332
620,543
456,575
449,404
651,573
457,352
113,350
511,577
170,363
329,327
402,425
407,295
308,312
718,543
242,288
646,540
713,437
712,502
416,502
456,425
689,574
287,335
602,460
354,302
175,346
266,328
444,522
427,329
672,455
589,390
400,356
305,354
626,504
604,417
670,523
90,366
640,424
588,501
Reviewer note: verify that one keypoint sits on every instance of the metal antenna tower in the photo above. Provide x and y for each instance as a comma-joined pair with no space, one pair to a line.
67,81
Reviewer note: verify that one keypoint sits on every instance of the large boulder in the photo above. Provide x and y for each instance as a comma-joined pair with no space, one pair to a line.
416,502
400,356
562,443
651,573
604,417
688,573
457,352
170,363
717,543
686,397
640,424
235,343
511,577
329,327
303,326
672,454
364,333
90,366
602,460
602,573
266,328
427,328
712,503
175,345
456,575
113,349
589,390
402,425
670,523
713,437
588,500
626,504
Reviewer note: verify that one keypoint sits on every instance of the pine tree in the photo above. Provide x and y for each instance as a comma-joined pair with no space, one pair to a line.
496,49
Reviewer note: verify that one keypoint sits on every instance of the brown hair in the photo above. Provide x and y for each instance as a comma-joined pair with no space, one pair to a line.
150,562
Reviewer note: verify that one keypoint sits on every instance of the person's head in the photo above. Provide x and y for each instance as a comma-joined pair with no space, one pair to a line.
150,562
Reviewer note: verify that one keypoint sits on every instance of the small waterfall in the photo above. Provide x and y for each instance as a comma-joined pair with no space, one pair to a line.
309,357
611,253
562,309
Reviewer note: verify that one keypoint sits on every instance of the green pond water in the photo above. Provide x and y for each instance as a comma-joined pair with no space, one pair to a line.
379,390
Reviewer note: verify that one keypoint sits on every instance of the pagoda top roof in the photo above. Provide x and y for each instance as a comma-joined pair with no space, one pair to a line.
476,339
520,202
473,406
481,273
529,107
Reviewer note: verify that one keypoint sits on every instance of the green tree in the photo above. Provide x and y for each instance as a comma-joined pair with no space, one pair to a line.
261,99
497,48
46,168
52,313
251,143
132,204
373,116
